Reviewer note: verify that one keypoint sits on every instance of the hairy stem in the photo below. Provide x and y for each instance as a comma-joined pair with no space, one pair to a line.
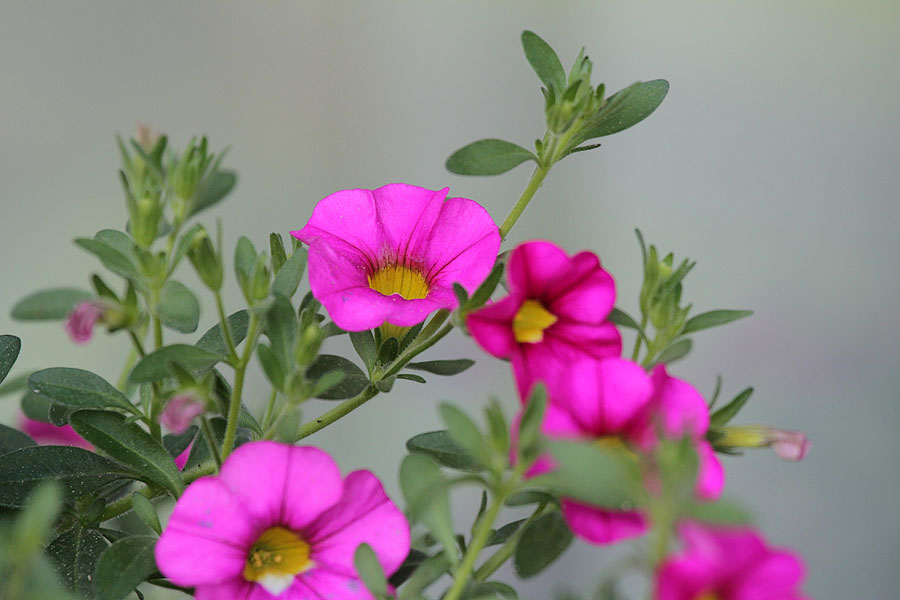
240,369
533,184
341,410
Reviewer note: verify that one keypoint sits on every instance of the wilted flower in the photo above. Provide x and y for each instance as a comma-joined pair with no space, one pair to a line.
392,255
279,522
556,313
80,322
181,410
728,564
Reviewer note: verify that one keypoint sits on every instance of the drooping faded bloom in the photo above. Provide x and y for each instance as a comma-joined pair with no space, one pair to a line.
80,322
181,410
391,255
614,402
278,522
728,564
787,445
556,312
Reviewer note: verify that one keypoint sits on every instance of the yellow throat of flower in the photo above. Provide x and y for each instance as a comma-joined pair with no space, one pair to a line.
397,279
708,596
277,556
531,321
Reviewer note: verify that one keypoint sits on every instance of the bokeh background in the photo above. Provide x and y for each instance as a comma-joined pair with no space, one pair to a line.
773,163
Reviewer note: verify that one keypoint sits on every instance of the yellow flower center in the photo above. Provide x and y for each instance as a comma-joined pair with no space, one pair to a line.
708,596
276,557
397,279
531,321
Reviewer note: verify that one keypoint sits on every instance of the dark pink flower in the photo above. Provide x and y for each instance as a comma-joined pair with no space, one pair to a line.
556,312
278,522
48,434
80,322
615,402
180,411
728,564
392,255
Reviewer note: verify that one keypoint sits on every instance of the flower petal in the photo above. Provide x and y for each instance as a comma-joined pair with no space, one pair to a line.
584,292
685,578
354,213
491,326
681,407
233,589
601,525
711,475
407,215
327,584
534,266
776,572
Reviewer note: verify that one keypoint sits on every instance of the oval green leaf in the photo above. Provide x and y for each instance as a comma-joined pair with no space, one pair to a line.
353,382
13,439
441,447
155,366
443,367
123,566
622,110
713,318
544,61
541,543
49,305
179,308
9,352
76,388
488,157
74,555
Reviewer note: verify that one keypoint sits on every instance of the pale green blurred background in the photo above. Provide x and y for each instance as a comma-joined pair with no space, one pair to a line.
774,162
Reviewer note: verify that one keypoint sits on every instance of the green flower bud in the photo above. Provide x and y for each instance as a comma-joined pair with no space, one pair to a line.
206,261
145,220
308,346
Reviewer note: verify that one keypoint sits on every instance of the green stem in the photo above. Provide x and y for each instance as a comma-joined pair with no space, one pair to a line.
157,333
480,537
341,410
637,343
416,349
234,409
122,382
211,442
497,559
226,332
270,410
536,179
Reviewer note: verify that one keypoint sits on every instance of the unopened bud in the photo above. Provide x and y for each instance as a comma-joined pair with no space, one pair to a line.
308,346
787,445
205,260
181,409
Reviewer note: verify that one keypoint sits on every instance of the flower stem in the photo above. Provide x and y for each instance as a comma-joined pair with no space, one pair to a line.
496,560
536,179
270,410
226,333
479,539
211,441
341,410
240,369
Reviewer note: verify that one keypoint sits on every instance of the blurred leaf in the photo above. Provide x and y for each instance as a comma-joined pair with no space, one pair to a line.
530,425
501,535
464,432
674,352
487,157
370,571
413,561
622,110
623,319
156,365
442,367
412,377
129,444
271,366
76,388
184,244
424,488
729,411
354,381
427,573
244,259
281,328
719,512
290,275
77,471
179,308
17,383
49,305
213,189
484,291
123,566
9,352
118,260
526,497
74,554
213,340
541,543
143,508
13,439
441,447
544,61
601,476
713,318
364,344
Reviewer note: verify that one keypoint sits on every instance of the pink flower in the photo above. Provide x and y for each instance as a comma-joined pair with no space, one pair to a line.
728,564
555,313
392,255
51,435
182,458
614,402
80,322
787,445
180,411
278,522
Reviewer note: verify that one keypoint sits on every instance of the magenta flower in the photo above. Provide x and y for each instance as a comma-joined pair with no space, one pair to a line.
180,411
728,564
278,522
392,255
556,312
182,458
80,322
47,434
614,402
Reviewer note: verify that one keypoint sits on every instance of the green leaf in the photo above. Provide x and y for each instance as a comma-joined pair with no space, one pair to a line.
212,190
498,428
541,543
488,157
364,344
441,447
729,411
622,110
487,287
179,308
9,352
713,318
143,508
526,497
544,61
77,471
719,512
75,388
13,439
16,384
281,328
213,340
412,377
276,251
413,561
184,244
354,381
424,488
464,432
442,367
623,319
156,365
427,573
74,555
530,425
49,305
501,535
370,571
124,566
118,261
244,259
290,274
271,366
675,351
129,444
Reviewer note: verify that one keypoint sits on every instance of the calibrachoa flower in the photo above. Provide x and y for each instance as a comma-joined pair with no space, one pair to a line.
180,411
50,434
615,402
728,564
392,255
80,322
556,312
787,445
278,522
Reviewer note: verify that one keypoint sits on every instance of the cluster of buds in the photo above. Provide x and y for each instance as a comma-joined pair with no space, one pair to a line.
661,294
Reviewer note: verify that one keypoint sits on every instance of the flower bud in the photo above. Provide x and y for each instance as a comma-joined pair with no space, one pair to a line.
787,445
80,322
308,346
206,261
181,409
145,220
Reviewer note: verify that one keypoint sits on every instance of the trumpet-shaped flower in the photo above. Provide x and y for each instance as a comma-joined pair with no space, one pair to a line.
392,255
615,403
80,322
556,312
278,522
728,564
